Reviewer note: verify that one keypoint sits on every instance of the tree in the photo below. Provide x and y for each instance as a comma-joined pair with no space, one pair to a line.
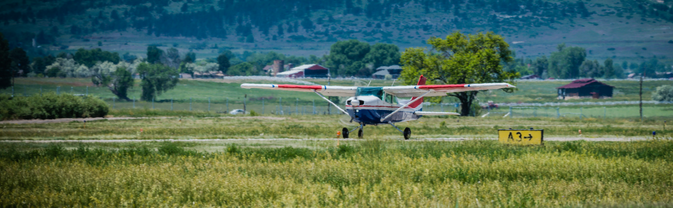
223,62
154,54
648,68
565,63
460,59
171,58
20,61
118,82
591,69
663,93
40,63
382,54
242,69
90,57
346,57
540,65
190,57
5,64
609,69
156,78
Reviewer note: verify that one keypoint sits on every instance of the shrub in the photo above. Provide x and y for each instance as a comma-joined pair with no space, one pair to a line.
50,106
663,93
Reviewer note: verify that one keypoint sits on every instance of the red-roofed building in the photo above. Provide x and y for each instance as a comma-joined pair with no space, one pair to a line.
585,88
307,70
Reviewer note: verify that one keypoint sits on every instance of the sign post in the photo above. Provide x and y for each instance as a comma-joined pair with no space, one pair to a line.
521,137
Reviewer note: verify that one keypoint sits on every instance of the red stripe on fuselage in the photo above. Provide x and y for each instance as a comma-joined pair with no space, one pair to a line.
377,106
308,87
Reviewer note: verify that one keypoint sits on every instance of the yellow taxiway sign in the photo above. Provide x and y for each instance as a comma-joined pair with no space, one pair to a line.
521,137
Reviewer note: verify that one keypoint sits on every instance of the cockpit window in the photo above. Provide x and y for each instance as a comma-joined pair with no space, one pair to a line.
389,98
375,91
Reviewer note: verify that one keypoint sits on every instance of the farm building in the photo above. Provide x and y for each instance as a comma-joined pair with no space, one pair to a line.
585,88
306,70
381,72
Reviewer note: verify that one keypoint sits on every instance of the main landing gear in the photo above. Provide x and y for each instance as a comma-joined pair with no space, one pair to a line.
406,133
345,131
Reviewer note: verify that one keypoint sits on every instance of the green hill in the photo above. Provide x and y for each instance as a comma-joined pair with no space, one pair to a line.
626,30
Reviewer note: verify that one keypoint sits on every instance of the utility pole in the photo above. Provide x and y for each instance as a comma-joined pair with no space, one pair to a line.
245,97
641,95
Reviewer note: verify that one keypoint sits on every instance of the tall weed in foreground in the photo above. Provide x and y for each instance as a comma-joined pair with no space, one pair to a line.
376,173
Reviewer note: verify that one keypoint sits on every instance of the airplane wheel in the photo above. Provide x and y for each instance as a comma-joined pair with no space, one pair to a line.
360,133
344,133
407,133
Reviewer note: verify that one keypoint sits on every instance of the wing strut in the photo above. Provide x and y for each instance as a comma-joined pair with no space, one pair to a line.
405,105
330,102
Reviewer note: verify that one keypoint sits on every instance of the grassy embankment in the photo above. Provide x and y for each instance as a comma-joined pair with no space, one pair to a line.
370,173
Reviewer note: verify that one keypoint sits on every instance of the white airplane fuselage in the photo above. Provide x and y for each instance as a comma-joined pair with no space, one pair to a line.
370,110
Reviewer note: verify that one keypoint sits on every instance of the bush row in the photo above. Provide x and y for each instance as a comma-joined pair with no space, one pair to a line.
50,106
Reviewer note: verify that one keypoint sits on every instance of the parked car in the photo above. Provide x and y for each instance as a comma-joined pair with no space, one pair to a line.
237,112
490,105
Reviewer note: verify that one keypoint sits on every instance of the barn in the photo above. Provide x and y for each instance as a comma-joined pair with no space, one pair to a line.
585,88
306,70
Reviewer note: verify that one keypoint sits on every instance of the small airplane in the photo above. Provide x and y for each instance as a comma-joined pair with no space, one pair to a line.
380,105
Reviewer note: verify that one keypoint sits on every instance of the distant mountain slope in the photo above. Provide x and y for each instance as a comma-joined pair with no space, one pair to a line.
626,29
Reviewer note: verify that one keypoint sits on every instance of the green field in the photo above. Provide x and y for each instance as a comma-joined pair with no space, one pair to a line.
183,125
200,90
271,160
194,95
370,173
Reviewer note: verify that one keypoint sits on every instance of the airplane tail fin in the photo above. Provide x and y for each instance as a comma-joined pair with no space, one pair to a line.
419,102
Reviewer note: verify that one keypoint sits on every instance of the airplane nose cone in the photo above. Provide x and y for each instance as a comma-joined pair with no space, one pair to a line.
355,102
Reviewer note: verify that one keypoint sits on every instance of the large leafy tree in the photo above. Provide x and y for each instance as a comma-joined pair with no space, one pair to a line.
154,54
156,78
609,69
40,63
20,61
171,58
566,62
346,57
591,69
90,57
5,64
460,59
118,82
382,54
223,62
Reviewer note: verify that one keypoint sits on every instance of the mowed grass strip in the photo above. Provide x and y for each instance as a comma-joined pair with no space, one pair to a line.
373,173
323,126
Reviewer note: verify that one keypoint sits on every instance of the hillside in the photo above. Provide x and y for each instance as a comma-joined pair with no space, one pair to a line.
626,30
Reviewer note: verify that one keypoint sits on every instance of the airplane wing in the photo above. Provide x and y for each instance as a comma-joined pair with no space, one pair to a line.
322,89
441,90
426,113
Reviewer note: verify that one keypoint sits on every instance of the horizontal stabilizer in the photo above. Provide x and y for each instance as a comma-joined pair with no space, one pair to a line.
427,113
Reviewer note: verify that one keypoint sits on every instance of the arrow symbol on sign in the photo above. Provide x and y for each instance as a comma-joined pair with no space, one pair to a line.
529,137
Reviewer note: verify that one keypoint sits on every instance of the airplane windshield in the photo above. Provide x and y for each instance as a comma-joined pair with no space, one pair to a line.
374,91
